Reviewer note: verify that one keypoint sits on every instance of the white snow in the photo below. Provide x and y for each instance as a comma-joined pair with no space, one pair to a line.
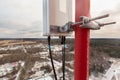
44,78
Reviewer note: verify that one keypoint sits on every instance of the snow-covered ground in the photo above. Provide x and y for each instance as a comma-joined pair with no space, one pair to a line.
7,68
39,74
113,73
44,78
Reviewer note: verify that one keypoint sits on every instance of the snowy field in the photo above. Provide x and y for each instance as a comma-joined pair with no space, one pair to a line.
29,60
33,63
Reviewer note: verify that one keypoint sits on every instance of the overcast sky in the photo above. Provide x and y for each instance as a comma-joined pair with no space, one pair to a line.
99,7
23,18
20,18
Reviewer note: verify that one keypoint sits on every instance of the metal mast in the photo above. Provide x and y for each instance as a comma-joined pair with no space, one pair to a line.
82,39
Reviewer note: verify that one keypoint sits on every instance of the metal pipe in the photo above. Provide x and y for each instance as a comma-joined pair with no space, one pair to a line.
77,23
90,19
81,65
103,24
99,17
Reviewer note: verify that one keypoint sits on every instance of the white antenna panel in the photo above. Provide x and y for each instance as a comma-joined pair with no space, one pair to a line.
57,13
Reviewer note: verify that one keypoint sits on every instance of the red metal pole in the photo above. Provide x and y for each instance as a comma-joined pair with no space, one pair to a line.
81,42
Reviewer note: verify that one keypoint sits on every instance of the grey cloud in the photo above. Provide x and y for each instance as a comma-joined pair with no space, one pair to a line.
20,29
20,17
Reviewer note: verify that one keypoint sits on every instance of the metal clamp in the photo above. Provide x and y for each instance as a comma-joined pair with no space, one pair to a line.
85,23
66,27
91,23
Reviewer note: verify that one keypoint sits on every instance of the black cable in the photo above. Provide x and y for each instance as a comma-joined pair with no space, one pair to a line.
50,53
63,39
